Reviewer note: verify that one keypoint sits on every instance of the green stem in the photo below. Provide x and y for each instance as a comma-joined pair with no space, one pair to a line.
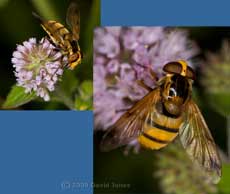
228,135
64,99
45,9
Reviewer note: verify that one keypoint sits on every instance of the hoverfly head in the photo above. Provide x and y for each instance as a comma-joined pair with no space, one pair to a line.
179,67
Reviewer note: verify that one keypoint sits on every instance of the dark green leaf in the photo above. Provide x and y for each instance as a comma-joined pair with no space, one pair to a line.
84,101
18,97
224,182
66,89
220,102
87,87
81,104
69,82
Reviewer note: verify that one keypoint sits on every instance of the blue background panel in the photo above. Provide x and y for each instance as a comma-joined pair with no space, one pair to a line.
46,152
165,12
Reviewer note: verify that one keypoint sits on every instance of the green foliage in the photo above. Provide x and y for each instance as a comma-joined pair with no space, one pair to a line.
3,3
64,92
85,98
220,102
45,8
72,93
179,175
216,79
18,97
223,186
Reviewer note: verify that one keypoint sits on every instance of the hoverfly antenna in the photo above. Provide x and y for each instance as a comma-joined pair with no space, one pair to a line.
37,16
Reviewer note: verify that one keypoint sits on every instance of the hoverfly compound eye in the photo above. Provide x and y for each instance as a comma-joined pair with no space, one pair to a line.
173,67
190,73
181,68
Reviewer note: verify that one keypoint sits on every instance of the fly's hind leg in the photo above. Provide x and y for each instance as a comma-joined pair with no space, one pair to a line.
63,65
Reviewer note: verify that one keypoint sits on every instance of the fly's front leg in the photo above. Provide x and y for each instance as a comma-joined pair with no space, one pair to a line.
64,64
153,75
143,85
50,41
151,72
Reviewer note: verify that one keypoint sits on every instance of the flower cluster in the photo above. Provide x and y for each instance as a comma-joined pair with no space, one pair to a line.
178,174
37,66
123,55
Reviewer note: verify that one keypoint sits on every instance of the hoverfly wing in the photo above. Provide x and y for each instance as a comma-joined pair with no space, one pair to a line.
54,29
131,123
198,142
73,19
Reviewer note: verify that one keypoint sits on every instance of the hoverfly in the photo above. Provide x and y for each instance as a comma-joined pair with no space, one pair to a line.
62,38
166,111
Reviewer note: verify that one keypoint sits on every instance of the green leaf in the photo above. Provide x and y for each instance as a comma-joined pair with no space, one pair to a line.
220,102
69,83
18,97
84,101
87,87
66,89
224,182
81,104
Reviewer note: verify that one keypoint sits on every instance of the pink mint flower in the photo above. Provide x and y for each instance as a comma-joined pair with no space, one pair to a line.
123,55
37,66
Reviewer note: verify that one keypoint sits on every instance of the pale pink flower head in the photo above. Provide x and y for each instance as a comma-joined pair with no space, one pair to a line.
37,66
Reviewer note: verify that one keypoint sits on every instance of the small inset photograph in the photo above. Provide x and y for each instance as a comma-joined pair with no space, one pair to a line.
161,110
47,54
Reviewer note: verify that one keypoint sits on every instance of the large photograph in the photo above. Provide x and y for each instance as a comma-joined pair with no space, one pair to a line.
161,106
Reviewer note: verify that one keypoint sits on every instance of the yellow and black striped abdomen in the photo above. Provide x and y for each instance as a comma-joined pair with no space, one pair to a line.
159,131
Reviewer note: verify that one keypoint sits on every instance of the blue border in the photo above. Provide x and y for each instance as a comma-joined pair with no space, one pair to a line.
165,12
46,152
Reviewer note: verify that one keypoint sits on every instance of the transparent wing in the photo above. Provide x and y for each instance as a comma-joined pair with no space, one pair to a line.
131,124
73,19
198,142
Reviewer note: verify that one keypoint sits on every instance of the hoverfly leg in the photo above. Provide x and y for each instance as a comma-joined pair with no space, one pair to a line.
57,49
143,85
43,39
122,110
63,65
153,75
